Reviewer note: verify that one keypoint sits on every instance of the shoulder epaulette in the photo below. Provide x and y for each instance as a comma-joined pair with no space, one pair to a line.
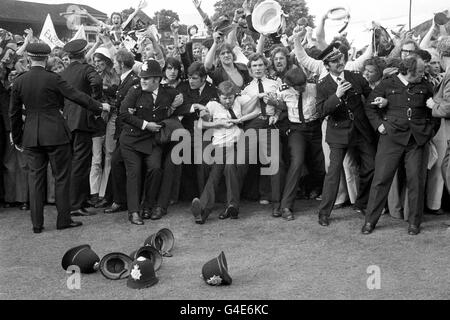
272,78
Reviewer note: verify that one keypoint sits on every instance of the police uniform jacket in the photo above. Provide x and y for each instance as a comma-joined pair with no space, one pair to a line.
345,114
209,93
42,93
133,135
406,113
130,80
83,77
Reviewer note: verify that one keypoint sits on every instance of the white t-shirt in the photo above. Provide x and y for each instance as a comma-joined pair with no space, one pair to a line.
222,136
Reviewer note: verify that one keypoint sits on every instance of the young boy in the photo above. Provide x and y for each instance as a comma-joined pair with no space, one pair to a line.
224,117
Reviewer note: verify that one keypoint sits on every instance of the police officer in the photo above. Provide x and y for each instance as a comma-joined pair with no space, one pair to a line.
141,111
405,129
339,96
44,134
81,123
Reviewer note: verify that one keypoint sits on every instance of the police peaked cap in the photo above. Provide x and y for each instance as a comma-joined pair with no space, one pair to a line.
38,50
75,46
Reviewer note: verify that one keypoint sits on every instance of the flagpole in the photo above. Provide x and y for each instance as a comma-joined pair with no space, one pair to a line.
410,14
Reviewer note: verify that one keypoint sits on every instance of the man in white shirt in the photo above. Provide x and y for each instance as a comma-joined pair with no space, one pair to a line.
225,118
265,122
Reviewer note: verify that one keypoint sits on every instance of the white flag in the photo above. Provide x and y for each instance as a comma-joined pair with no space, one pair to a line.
48,34
81,34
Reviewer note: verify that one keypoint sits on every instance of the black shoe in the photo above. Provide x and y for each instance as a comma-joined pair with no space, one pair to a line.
82,212
276,213
368,228
135,218
102,203
438,212
38,230
115,208
358,210
287,214
197,211
413,230
8,205
24,206
73,224
157,213
324,221
146,214
93,199
230,212
340,206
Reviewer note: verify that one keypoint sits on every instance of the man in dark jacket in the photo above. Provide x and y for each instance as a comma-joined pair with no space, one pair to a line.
81,122
339,96
118,181
197,92
44,134
405,129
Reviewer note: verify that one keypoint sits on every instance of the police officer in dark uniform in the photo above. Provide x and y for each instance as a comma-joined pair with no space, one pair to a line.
405,129
44,134
141,112
81,122
118,181
339,96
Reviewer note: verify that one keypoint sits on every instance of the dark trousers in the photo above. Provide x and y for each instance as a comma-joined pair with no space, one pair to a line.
38,158
303,138
195,176
366,153
270,186
135,163
171,174
118,177
387,161
229,169
81,168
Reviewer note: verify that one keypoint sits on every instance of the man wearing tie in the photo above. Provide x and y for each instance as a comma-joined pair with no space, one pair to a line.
304,134
339,97
269,115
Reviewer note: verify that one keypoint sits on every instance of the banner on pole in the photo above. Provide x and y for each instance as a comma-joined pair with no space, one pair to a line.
81,34
48,34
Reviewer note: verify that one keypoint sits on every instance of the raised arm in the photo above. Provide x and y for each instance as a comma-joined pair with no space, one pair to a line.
313,65
206,20
142,5
320,33
209,59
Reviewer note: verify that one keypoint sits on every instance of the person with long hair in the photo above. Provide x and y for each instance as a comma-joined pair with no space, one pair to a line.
104,139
